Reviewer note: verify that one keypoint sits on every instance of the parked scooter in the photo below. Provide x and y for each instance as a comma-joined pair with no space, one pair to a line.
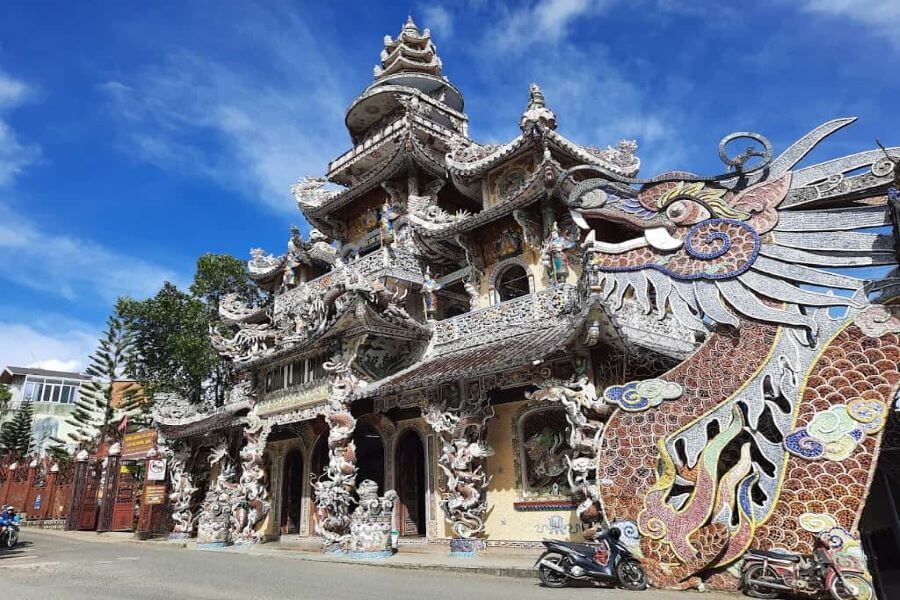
606,560
9,527
768,574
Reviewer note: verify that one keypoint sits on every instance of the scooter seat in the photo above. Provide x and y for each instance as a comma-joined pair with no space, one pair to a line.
776,555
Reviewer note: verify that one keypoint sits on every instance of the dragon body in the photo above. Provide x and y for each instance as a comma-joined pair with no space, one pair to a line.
775,435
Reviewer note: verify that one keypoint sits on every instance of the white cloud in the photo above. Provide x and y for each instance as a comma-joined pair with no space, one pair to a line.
73,268
255,125
64,349
14,155
545,21
439,19
881,16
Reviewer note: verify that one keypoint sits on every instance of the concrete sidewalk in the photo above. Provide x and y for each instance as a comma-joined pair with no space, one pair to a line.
494,561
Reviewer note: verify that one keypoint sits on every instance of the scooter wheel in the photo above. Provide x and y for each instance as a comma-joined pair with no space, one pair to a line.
856,588
631,575
549,577
759,572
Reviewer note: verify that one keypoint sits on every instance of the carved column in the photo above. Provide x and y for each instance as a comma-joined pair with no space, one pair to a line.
214,521
462,429
251,504
335,488
183,489
586,414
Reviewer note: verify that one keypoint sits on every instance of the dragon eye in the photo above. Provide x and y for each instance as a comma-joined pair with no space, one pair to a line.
676,211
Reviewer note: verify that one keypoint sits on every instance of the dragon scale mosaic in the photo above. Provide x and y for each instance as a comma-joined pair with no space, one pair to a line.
774,438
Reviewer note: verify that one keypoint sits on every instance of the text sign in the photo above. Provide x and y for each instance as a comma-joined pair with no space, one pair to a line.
154,494
137,444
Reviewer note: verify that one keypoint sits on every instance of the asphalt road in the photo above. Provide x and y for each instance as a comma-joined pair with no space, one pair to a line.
48,566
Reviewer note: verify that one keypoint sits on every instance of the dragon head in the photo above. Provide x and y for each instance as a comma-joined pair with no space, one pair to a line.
746,243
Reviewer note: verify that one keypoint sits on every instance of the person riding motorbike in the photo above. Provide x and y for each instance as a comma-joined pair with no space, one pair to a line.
9,526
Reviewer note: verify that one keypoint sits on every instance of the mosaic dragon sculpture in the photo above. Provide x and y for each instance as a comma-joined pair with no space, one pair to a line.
463,430
775,434
335,489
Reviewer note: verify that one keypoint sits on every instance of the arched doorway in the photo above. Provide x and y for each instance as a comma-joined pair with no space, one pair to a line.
410,475
369,455
318,460
513,283
291,491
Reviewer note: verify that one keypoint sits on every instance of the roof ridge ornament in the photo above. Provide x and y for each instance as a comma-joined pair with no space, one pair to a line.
537,117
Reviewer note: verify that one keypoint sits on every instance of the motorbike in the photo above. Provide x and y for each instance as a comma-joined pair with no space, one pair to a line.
767,574
605,560
9,527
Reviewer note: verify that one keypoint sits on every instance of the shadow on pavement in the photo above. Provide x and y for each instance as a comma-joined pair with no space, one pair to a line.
13,552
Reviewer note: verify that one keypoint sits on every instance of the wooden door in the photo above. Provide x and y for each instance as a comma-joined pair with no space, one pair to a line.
410,476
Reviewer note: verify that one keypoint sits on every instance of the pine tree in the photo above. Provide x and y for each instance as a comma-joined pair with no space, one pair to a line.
97,414
15,438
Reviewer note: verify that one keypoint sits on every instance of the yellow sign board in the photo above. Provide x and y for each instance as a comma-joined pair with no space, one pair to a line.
154,494
136,445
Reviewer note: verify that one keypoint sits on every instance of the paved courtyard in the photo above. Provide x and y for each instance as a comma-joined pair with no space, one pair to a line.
50,566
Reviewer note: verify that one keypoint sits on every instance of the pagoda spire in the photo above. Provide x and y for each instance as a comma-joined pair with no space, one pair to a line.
412,52
537,113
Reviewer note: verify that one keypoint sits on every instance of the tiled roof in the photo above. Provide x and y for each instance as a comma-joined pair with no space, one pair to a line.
491,357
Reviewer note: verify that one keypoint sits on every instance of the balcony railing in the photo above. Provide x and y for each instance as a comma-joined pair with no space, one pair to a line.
547,308
398,263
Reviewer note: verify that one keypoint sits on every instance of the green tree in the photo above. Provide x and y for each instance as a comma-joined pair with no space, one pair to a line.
171,330
220,274
172,333
15,437
97,413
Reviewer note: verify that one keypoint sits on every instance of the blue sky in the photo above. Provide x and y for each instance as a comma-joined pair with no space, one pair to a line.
136,136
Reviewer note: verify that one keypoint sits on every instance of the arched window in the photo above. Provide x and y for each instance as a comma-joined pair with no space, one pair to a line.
512,283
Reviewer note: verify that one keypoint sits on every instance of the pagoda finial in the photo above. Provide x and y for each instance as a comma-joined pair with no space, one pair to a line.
537,97
537,113
412,51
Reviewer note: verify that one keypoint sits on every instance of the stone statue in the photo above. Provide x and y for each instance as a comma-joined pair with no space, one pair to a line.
429,287
553,255
371,522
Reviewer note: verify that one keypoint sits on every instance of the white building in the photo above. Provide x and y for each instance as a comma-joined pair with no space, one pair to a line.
53,394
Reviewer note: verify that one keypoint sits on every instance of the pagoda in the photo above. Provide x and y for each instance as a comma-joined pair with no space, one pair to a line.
472,336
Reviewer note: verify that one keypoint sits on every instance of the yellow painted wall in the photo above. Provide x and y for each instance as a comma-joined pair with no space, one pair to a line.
503,521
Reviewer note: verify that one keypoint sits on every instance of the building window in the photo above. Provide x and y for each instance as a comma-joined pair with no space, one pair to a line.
297,373
512,283
59,391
